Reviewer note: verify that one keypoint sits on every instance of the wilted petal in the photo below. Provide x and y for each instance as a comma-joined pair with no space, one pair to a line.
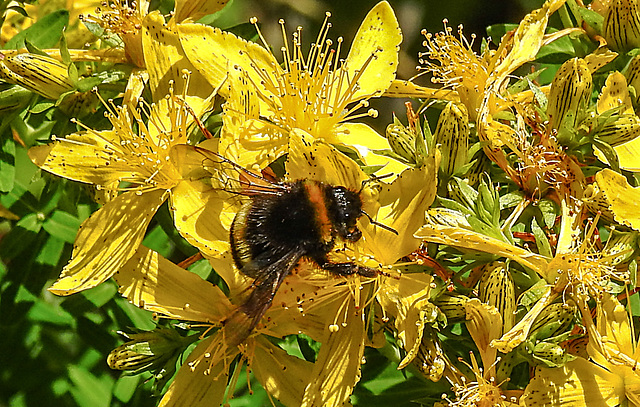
107,240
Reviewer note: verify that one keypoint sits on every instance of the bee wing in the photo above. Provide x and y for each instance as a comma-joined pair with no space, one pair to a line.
195,161
239,325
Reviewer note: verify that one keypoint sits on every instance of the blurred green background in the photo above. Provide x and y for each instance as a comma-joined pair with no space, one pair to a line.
53,349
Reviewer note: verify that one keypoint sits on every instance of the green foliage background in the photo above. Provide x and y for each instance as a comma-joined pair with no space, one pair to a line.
53,349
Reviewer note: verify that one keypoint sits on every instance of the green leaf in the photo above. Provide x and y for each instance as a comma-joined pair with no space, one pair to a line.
544,247
158,241
51,252
592,18
45,33
125,387
50,313
21,237
101,294
88,390
7,164
497,31
62,225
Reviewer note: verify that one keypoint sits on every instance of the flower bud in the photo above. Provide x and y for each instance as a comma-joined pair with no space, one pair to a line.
497,288
38,73
452,306
624,128
401,140
633,77
622,25
452,133
554,320
569,94
147,350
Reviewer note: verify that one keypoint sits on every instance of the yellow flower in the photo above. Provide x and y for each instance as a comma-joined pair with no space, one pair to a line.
454,64
133,158
608,378
340,301
581,273
76,33
107,158
317,93
153,283
127,20
480,391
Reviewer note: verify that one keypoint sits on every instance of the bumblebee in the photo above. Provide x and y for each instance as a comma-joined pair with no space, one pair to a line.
281,224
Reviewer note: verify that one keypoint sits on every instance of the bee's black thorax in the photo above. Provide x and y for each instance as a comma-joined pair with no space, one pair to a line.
306,219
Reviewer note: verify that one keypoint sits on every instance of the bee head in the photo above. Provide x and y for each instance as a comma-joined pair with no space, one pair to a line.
345,207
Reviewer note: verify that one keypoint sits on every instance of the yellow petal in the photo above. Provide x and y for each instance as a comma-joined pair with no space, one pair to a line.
107,240
484,323
403,204
615,94
251,142
622,198
202,386
463,238
405,300
165,60
365,139
527,39
406,89
313,159
214,52
628,155
82,157
196,9
337,368
520,331
613,325
203,215
378,39
152,282
577,383
283,376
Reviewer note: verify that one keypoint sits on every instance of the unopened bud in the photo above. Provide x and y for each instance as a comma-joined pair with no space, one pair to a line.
621,25
452,133
570,94
497,288
38,73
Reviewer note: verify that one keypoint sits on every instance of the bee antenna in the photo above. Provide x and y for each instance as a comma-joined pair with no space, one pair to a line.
382,225
372,179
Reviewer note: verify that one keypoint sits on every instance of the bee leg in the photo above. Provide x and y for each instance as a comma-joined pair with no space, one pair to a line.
348,268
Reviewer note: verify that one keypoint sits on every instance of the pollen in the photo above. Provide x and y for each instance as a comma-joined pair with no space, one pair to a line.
118,17
452,62
313,92
585,272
